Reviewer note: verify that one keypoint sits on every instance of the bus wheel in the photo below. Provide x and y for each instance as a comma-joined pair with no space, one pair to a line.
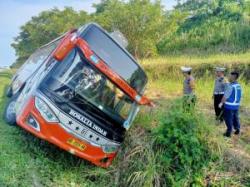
9,92
9,111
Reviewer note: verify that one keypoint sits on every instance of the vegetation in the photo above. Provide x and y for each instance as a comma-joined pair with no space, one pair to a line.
184,151
210,27
195,27
166,147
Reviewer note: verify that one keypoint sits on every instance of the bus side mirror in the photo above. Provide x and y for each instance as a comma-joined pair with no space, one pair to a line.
65,46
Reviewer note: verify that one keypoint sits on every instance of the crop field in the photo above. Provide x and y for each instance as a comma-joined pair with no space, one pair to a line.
164,146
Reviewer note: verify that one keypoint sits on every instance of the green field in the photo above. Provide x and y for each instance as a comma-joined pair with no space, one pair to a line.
28,161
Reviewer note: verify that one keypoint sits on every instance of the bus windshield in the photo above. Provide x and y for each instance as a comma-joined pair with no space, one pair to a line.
115,57
76,81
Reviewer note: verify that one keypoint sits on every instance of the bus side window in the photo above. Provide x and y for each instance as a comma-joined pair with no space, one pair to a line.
36,60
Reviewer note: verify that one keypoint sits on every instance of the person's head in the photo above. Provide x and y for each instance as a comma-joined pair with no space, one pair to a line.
187,71
219,71
234,76
187,74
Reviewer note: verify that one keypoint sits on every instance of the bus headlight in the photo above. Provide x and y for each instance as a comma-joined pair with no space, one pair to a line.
110,148
45,111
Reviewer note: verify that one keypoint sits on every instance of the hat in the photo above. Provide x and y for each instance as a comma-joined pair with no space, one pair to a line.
220,69
186,69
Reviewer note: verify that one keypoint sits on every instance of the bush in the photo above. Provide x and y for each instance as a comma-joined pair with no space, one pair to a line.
184,150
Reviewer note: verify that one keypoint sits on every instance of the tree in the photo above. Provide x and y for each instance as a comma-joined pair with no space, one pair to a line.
212,26
45,27
100,7
208,25
141,21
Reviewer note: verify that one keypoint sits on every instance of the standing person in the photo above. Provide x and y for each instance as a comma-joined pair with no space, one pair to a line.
231,101
218,93
188,88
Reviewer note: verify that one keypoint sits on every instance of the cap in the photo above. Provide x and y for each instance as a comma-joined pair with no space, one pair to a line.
220,69
186,69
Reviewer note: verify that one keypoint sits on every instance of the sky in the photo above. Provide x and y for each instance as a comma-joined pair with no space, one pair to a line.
15,13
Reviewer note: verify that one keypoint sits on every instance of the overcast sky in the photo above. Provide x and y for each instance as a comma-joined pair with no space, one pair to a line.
15,13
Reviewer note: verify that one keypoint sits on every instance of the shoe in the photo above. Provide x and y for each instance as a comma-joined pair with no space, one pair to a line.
227,134
237,132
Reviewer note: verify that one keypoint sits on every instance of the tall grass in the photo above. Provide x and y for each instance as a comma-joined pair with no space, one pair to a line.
220,59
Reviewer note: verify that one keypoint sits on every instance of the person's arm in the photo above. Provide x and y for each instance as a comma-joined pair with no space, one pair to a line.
223,100
192,84
225,84
213,89
227,94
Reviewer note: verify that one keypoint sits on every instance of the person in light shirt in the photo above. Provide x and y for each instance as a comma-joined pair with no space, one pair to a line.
188,88
218,92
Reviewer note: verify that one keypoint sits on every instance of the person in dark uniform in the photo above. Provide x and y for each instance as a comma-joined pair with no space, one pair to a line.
189,96
218,93
231,101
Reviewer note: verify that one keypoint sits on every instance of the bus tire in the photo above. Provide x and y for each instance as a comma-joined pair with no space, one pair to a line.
9,111
9,92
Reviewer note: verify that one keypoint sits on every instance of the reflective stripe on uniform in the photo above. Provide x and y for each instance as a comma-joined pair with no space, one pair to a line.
219,93
232,104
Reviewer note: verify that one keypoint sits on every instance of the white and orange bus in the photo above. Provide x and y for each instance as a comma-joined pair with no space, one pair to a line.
80,92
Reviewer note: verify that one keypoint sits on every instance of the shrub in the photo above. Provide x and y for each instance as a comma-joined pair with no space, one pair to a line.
184,150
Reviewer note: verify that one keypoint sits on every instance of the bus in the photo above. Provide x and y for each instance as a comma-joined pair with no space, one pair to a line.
80,92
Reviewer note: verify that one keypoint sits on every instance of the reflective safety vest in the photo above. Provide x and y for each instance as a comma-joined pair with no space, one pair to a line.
233,102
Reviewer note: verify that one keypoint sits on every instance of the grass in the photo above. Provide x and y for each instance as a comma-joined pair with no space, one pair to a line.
204,90
165,81
28,161
198,60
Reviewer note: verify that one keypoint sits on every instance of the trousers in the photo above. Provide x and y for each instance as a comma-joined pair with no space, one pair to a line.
232,120
219,112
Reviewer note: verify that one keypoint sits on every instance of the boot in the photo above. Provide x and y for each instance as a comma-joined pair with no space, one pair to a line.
227,134
237,132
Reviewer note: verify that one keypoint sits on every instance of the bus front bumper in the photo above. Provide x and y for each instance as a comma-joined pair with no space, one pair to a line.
55,134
